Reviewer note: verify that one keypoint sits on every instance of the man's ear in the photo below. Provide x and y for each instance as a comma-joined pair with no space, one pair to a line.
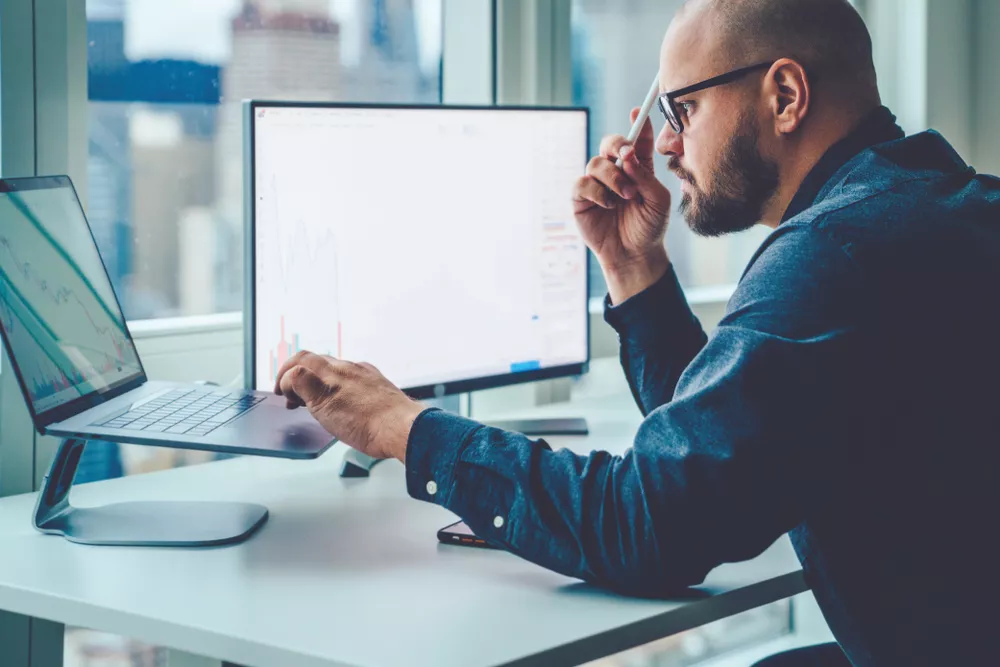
789,94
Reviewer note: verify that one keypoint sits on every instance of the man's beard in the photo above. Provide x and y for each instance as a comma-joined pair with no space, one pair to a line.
744,182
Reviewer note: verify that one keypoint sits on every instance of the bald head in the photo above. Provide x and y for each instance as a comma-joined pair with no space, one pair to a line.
742,145
827,37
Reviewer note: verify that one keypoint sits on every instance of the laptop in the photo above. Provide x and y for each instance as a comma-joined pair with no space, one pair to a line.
76,362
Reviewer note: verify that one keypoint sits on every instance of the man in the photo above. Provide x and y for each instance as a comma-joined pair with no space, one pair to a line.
846,397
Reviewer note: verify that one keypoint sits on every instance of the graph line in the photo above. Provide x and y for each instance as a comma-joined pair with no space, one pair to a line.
18,203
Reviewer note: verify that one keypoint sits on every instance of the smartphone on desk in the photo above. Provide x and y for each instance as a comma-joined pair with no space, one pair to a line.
460,534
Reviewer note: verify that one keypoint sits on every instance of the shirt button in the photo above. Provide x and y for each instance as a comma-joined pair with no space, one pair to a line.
432,488
498,522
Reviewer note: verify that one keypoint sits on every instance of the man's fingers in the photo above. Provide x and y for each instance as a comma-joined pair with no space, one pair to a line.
292,362
645,143
646,182
323,366
610,176
588,192
301,386
611,145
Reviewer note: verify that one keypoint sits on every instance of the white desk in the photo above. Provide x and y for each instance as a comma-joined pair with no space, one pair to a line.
348,573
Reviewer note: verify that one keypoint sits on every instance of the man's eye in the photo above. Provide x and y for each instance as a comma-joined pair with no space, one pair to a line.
686,108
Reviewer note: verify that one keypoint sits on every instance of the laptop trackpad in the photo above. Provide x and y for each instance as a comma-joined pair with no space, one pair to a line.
272,424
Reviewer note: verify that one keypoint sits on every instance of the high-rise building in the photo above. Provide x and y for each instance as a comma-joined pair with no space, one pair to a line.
172,175
109,164
389,65
281,49
140,182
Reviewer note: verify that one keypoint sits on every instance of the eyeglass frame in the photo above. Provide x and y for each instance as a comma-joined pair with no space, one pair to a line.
666,101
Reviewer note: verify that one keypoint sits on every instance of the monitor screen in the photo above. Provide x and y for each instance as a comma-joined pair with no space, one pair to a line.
60,317
436,243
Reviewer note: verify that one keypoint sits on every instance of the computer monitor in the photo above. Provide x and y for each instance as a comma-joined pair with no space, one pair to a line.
435,242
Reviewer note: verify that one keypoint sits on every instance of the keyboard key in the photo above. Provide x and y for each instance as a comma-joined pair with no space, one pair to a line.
180,428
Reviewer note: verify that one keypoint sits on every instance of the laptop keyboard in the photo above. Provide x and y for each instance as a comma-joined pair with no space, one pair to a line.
189,411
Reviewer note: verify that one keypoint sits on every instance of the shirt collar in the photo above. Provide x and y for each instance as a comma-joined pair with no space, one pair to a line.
877,127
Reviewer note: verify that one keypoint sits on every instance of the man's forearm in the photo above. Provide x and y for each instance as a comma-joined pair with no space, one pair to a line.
625,281
659,337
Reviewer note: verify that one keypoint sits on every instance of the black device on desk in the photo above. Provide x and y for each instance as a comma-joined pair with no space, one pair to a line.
460,534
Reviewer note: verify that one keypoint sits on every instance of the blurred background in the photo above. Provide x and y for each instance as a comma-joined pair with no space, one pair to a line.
161,172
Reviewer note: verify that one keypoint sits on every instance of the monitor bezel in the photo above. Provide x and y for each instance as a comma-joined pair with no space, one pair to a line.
436,390
100,395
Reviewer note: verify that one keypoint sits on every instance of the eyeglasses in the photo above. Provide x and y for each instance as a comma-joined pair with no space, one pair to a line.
668,106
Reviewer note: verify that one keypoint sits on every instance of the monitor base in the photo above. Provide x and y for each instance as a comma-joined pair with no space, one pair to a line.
357,464
564,426
161,524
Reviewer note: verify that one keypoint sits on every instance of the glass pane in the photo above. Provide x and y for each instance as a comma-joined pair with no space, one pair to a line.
164,175
166,79
615,54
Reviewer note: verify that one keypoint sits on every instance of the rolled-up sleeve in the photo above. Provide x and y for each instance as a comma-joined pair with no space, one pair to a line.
751,439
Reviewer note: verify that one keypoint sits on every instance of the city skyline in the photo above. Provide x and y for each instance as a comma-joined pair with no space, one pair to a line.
156,30
165,159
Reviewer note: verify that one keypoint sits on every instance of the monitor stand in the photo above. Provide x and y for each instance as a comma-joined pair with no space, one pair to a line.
162,524
357,464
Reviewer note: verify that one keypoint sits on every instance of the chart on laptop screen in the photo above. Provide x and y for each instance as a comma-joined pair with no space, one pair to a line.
57,305
437,245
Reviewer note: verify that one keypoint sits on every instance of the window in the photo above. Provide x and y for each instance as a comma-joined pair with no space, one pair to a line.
165,83
615,51
164,173
164,180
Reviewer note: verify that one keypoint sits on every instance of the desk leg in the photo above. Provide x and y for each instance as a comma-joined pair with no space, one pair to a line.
30,642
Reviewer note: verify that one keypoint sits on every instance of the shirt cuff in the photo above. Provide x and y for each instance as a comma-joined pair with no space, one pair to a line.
646,316
435,443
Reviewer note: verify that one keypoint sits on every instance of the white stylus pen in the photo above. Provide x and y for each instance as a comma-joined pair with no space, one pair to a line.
644,110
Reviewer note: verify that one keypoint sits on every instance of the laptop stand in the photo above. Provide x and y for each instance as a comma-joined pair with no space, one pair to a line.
163,524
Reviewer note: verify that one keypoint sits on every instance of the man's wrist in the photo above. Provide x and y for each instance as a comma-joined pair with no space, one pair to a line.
406,418
628,279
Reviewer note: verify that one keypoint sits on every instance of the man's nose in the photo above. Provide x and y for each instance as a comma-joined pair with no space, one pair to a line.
669,142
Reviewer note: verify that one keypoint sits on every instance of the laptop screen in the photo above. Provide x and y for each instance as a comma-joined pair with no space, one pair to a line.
64,329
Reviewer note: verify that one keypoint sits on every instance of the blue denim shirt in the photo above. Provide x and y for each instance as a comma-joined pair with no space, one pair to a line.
848,397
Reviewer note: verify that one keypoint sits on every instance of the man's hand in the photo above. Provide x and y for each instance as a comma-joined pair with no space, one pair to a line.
622,213
354,402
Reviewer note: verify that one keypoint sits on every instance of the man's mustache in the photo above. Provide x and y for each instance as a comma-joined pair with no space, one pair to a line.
674,164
